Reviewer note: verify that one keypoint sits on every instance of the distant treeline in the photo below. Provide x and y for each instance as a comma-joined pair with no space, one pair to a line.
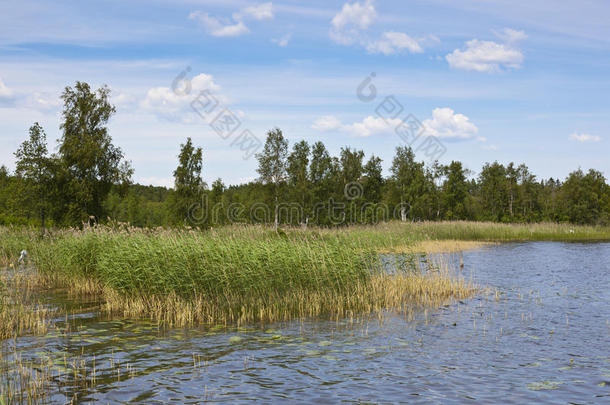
89,180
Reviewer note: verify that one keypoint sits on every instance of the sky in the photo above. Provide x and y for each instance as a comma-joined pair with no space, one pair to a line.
523,82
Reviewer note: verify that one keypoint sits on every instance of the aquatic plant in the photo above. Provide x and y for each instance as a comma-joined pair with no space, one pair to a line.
20,311
254,273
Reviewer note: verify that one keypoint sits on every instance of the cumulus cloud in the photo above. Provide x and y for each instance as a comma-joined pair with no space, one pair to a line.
445,123
372,126
359,15
584,137
489,56
367,127
349,27
165,103
346,26
485,56
224,27
392,42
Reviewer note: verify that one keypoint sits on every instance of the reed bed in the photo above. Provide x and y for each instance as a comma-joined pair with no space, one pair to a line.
253,273
13,240
240,274
382,293
20,310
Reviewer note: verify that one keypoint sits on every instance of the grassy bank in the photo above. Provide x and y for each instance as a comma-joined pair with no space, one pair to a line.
252,273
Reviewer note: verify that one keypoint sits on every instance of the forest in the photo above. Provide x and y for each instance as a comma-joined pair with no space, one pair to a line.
89,180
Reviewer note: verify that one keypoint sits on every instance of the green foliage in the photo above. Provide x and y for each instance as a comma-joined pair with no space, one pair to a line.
455,192
185,201
272,165
91,162
88,179
586,197
373,181
15,239
36,169
298,179
250,261
272,161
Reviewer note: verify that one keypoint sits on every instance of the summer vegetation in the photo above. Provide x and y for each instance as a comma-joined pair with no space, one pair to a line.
230,276
244,274
89,180
199,254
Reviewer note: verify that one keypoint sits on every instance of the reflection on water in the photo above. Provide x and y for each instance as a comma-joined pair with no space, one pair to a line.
543,337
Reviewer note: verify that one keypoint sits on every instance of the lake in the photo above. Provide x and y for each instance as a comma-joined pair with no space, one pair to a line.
541,333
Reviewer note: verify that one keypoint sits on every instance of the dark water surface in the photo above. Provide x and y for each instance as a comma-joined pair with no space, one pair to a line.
545,338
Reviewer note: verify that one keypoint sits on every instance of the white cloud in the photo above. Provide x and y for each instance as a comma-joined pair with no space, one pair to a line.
445,123
349,27
347,24
166,104
259,12
489,56
215,27
372,126
226,28
283,41
360,15
5,92
327,123
392,42
123,101
584,137
369,125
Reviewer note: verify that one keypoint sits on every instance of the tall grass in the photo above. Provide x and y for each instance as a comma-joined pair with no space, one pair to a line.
13,240
191,263
239,274
20,310
251,273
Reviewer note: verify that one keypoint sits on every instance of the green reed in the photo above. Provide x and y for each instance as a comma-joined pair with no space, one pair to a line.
248,272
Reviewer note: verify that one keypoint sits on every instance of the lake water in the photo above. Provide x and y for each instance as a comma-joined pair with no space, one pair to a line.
545,338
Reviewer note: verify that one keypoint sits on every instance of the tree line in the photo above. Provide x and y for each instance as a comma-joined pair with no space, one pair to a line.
89,180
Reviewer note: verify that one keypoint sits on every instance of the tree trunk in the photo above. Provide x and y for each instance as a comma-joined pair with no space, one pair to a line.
277,220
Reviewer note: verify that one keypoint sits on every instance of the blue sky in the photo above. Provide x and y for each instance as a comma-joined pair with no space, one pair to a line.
493,80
